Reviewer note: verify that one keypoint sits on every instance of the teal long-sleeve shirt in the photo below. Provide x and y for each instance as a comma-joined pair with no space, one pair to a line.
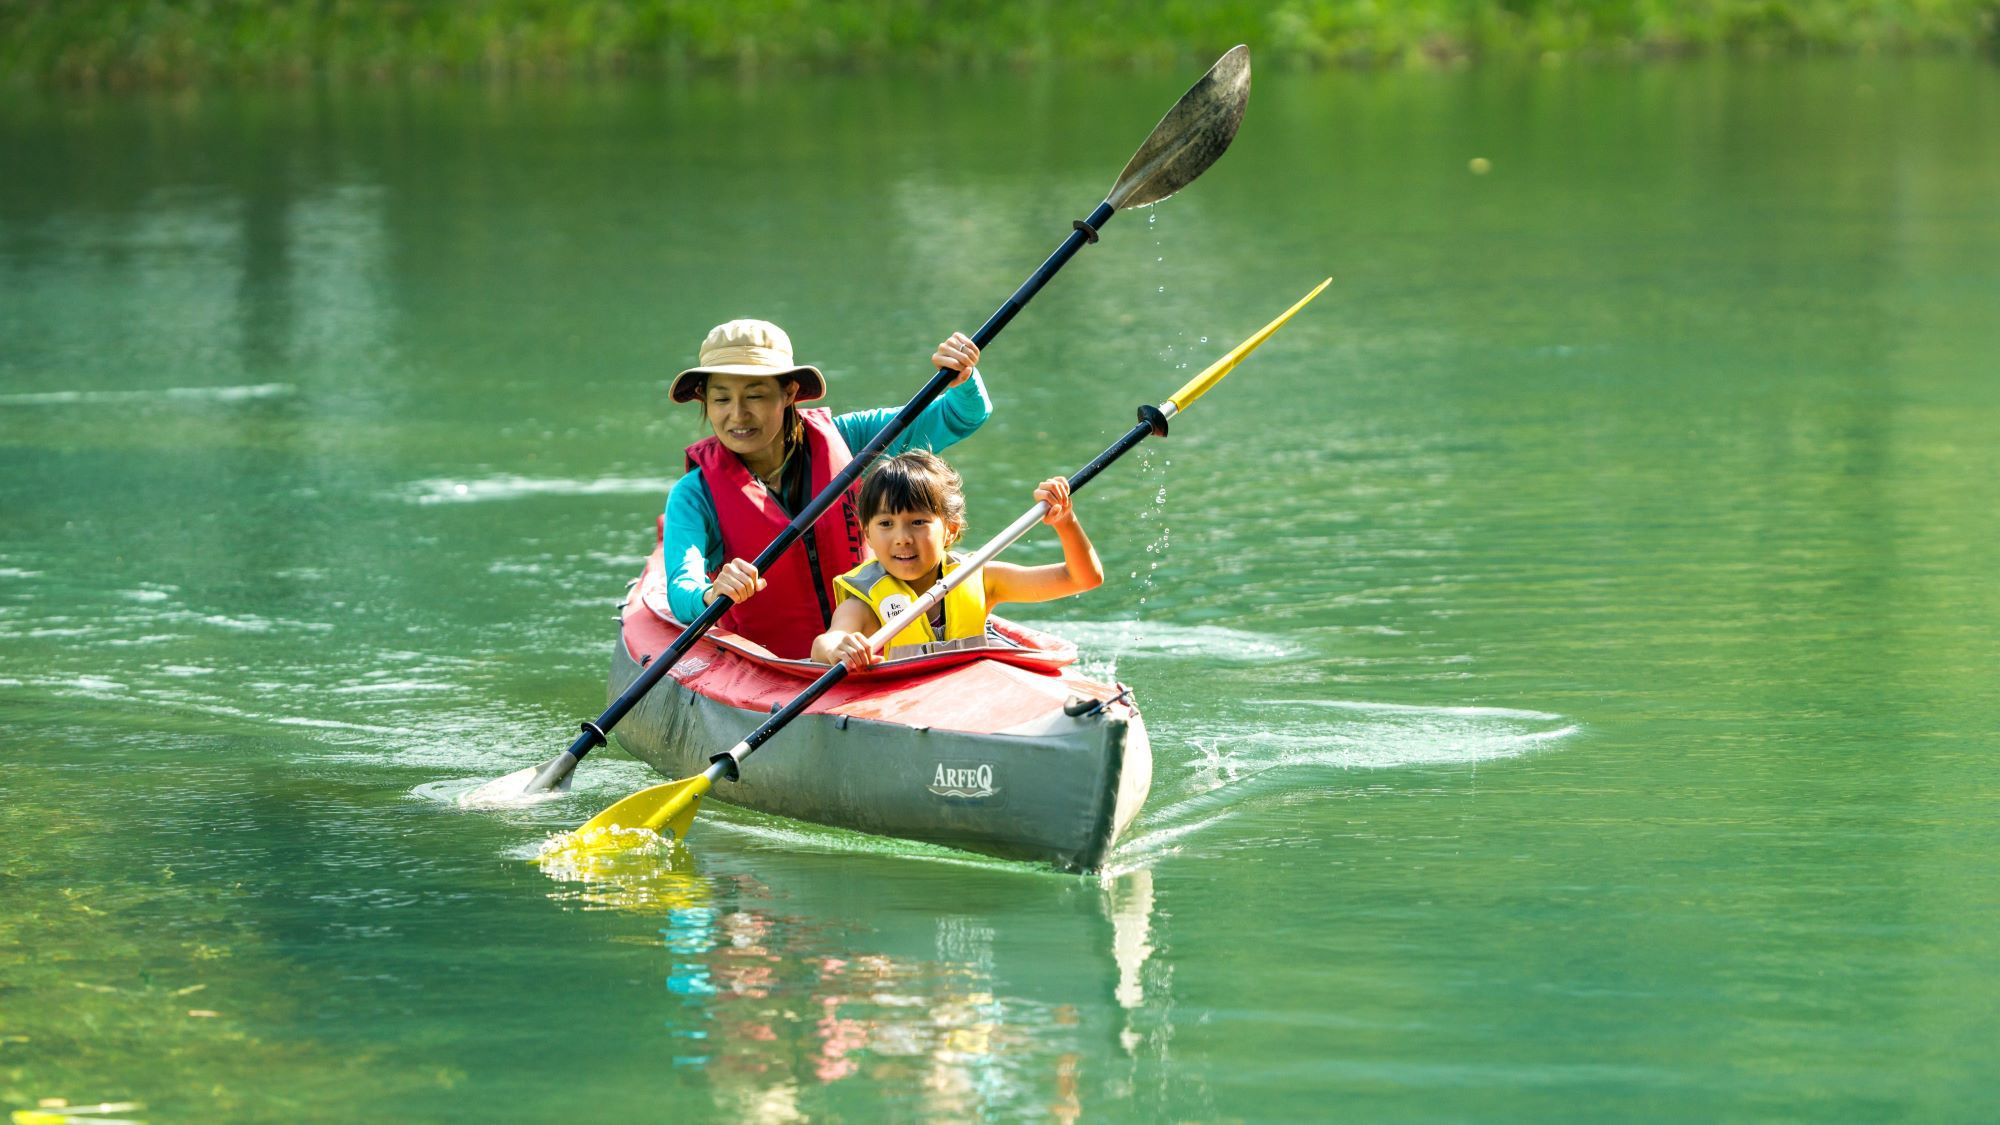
693,539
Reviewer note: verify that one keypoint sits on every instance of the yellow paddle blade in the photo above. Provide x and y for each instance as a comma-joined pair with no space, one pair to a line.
666,808
1199,385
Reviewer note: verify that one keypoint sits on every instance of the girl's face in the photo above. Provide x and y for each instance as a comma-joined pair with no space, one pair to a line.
747,412
909,545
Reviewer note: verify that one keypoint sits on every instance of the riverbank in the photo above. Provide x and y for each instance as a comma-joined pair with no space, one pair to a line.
162,43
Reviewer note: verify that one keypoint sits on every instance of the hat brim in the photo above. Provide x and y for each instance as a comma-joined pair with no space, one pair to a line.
812,384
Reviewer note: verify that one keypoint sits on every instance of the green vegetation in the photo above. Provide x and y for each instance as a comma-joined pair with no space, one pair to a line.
120,42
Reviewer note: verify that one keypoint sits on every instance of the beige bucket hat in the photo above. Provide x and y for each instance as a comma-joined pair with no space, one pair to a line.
749,347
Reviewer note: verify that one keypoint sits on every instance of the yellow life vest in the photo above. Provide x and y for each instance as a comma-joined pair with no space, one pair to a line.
887,595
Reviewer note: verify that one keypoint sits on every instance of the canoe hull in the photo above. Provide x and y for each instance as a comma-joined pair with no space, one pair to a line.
1054,789
972,750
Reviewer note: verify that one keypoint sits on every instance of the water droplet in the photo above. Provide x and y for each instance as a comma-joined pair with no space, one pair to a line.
1204,339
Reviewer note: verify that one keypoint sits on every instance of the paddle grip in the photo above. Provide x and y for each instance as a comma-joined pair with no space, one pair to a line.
1079,238
1146,428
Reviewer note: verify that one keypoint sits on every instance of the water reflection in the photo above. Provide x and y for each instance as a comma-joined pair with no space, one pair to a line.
783,1005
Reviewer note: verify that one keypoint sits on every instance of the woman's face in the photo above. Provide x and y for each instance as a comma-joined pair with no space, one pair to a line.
747,412
909,545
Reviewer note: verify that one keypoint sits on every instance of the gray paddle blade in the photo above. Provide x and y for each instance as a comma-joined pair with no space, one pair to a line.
1193,135
517,788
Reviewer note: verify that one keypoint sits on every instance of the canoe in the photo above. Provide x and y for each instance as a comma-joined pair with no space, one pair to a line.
1000,748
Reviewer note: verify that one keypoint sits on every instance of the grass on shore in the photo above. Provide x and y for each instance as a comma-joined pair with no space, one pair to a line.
183,42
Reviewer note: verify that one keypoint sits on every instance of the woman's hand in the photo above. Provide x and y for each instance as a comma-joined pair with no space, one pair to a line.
737,581
838,647
958,354
1055,493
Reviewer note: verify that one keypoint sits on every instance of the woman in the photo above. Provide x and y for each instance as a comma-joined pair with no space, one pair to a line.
764,462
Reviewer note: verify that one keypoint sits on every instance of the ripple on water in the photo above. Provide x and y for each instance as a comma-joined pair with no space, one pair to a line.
1285,748
1152,638
165,394
775,833
508,486
1348,734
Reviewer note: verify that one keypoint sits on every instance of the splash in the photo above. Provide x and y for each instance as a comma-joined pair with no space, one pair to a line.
621,869
588,847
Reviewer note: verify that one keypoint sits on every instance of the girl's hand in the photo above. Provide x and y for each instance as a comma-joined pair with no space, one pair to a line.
846,648
737,581
958,354
1055,493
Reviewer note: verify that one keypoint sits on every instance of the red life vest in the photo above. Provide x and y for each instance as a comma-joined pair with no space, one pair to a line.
786,616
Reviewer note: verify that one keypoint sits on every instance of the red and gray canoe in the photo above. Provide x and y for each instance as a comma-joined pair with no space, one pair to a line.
1002,749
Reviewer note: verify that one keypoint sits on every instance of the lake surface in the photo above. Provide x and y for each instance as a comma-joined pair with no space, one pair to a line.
1569,647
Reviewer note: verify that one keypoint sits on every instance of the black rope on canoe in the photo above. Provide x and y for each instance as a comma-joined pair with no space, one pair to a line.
1084,708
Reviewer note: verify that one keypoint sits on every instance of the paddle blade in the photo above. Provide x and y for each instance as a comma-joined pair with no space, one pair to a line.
517,788
1193,135
668,808
1199,385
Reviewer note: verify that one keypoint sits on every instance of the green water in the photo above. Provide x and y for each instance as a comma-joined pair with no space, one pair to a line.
1568,648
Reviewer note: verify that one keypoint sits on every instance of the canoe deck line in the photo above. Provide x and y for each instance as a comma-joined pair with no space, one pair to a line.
970,750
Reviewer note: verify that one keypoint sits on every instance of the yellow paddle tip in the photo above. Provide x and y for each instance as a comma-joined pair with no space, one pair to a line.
1200,384
666,809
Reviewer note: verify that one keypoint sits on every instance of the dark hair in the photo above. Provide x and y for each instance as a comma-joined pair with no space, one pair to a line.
917,481
793,428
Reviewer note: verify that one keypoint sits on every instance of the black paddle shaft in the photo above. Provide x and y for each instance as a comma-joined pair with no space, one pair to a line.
1152,420
595,733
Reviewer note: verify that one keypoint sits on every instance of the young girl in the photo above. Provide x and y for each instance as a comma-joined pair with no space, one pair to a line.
912,511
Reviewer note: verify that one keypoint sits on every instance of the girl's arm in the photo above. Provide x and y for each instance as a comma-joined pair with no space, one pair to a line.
846,637
1080,569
